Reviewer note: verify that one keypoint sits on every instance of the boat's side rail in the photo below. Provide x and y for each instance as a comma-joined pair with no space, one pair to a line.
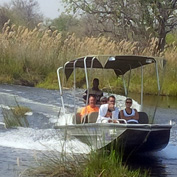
114,125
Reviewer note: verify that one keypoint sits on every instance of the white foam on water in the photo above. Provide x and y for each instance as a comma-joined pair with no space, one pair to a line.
54,108
47,139
25,100
7,90
41,139
2,125
28,113
8,94
65,119
5,107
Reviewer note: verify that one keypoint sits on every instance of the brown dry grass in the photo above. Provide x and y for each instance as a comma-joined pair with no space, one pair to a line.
32,55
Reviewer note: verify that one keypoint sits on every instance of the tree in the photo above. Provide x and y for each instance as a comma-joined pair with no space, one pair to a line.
65,22
26,12
130,19
4,16
163,15
69,23
21,12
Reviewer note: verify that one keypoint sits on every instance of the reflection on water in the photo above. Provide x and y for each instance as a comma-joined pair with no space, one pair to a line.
149,163
162,163
162,109
153,100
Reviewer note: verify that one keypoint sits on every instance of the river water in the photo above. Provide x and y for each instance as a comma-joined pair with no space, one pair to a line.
19,146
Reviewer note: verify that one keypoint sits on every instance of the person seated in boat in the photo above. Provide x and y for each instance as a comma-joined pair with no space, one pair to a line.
129,114
95,91
108,112
91,107
103,100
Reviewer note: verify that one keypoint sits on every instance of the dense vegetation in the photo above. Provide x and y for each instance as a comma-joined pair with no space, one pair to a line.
31,57
30,52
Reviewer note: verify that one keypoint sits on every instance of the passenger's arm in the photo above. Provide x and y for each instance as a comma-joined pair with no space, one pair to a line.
136,116
122,115
102,114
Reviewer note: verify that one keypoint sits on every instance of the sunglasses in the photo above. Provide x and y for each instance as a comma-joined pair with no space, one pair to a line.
129,102
112,101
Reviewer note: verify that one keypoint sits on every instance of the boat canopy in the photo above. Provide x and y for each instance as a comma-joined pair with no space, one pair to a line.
120,64
88,61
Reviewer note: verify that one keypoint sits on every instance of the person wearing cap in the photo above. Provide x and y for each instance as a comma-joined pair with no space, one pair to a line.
103,100
108,113
129,114
94,91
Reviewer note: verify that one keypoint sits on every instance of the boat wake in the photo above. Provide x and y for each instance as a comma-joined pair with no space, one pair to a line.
41,139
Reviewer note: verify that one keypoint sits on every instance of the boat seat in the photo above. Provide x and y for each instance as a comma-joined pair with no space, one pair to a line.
78,116
143,118
92,117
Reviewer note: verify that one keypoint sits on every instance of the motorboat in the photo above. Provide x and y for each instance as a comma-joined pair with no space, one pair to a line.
143,137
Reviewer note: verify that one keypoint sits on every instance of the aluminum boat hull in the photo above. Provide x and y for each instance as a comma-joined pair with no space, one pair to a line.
128,137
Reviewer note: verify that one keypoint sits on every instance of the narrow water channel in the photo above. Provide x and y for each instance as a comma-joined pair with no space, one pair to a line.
19,145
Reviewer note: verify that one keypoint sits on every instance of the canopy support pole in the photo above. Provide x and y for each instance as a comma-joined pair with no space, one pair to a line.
86,77
91,67
158,94
157,74
60,88
87,82
75,92
141,86
129,80
125,89
87,85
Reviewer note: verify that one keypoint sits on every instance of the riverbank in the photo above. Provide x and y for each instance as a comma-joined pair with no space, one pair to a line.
31,58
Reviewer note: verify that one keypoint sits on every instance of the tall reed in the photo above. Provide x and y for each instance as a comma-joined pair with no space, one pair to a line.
31,57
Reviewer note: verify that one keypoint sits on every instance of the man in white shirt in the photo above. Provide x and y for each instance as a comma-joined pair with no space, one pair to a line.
108,112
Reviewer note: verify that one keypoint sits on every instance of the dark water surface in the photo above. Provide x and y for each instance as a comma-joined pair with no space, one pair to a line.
18,146
162,163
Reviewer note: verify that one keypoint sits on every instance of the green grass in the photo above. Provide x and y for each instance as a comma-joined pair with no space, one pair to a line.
50,82
171,38
71,165
108,165
15,116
